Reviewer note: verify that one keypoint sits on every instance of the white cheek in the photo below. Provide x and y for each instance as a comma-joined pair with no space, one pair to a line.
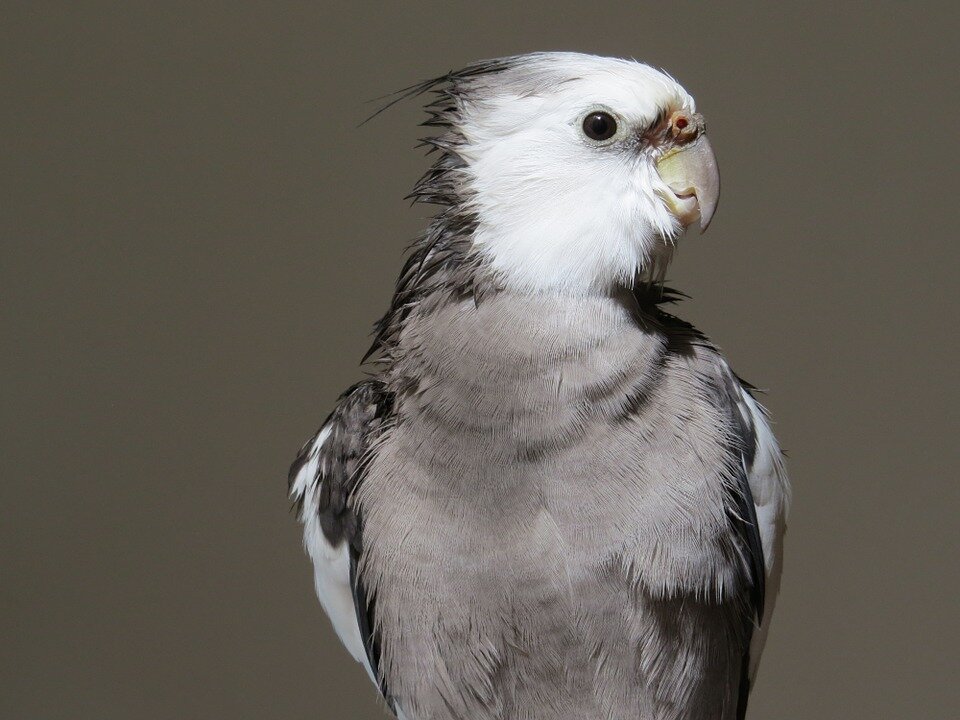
575,218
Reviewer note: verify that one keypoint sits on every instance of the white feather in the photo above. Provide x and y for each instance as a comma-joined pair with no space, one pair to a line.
331,564
771,496
556,210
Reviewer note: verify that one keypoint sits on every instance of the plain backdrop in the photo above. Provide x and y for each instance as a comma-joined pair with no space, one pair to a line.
197,237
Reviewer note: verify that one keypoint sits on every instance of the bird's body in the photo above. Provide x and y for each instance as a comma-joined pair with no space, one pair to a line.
548,502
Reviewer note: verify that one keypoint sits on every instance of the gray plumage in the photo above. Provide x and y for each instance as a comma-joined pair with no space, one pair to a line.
545,499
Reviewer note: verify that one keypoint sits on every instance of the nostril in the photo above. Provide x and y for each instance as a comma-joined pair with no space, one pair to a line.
684,126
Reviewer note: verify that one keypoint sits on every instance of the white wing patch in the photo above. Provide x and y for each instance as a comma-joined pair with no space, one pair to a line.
331,565
771,496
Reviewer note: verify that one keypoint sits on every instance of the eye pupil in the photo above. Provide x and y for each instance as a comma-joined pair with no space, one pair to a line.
599,126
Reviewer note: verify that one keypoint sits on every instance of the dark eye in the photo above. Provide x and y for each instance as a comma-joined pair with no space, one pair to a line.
599,126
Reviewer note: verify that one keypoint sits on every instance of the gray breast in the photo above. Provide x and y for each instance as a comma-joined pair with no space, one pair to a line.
547,522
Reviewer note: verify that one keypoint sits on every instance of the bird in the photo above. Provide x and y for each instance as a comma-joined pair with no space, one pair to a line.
550,498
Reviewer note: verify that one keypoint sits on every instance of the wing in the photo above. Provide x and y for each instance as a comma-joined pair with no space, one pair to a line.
761,502
770,491
322,480
759,496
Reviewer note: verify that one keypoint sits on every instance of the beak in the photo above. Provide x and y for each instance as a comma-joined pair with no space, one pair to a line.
690,171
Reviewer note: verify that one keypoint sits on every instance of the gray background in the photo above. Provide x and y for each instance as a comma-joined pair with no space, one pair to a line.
196,238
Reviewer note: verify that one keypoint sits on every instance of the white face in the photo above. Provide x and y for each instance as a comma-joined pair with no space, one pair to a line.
558,209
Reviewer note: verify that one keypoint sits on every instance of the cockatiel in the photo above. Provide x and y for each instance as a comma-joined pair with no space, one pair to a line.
552,500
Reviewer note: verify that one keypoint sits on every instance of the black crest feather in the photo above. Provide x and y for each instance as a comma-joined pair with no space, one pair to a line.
439,259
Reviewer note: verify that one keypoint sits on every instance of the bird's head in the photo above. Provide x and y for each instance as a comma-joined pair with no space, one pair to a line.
580,172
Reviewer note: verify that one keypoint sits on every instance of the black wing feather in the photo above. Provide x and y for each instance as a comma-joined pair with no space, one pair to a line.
362,414
743,517
748,528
